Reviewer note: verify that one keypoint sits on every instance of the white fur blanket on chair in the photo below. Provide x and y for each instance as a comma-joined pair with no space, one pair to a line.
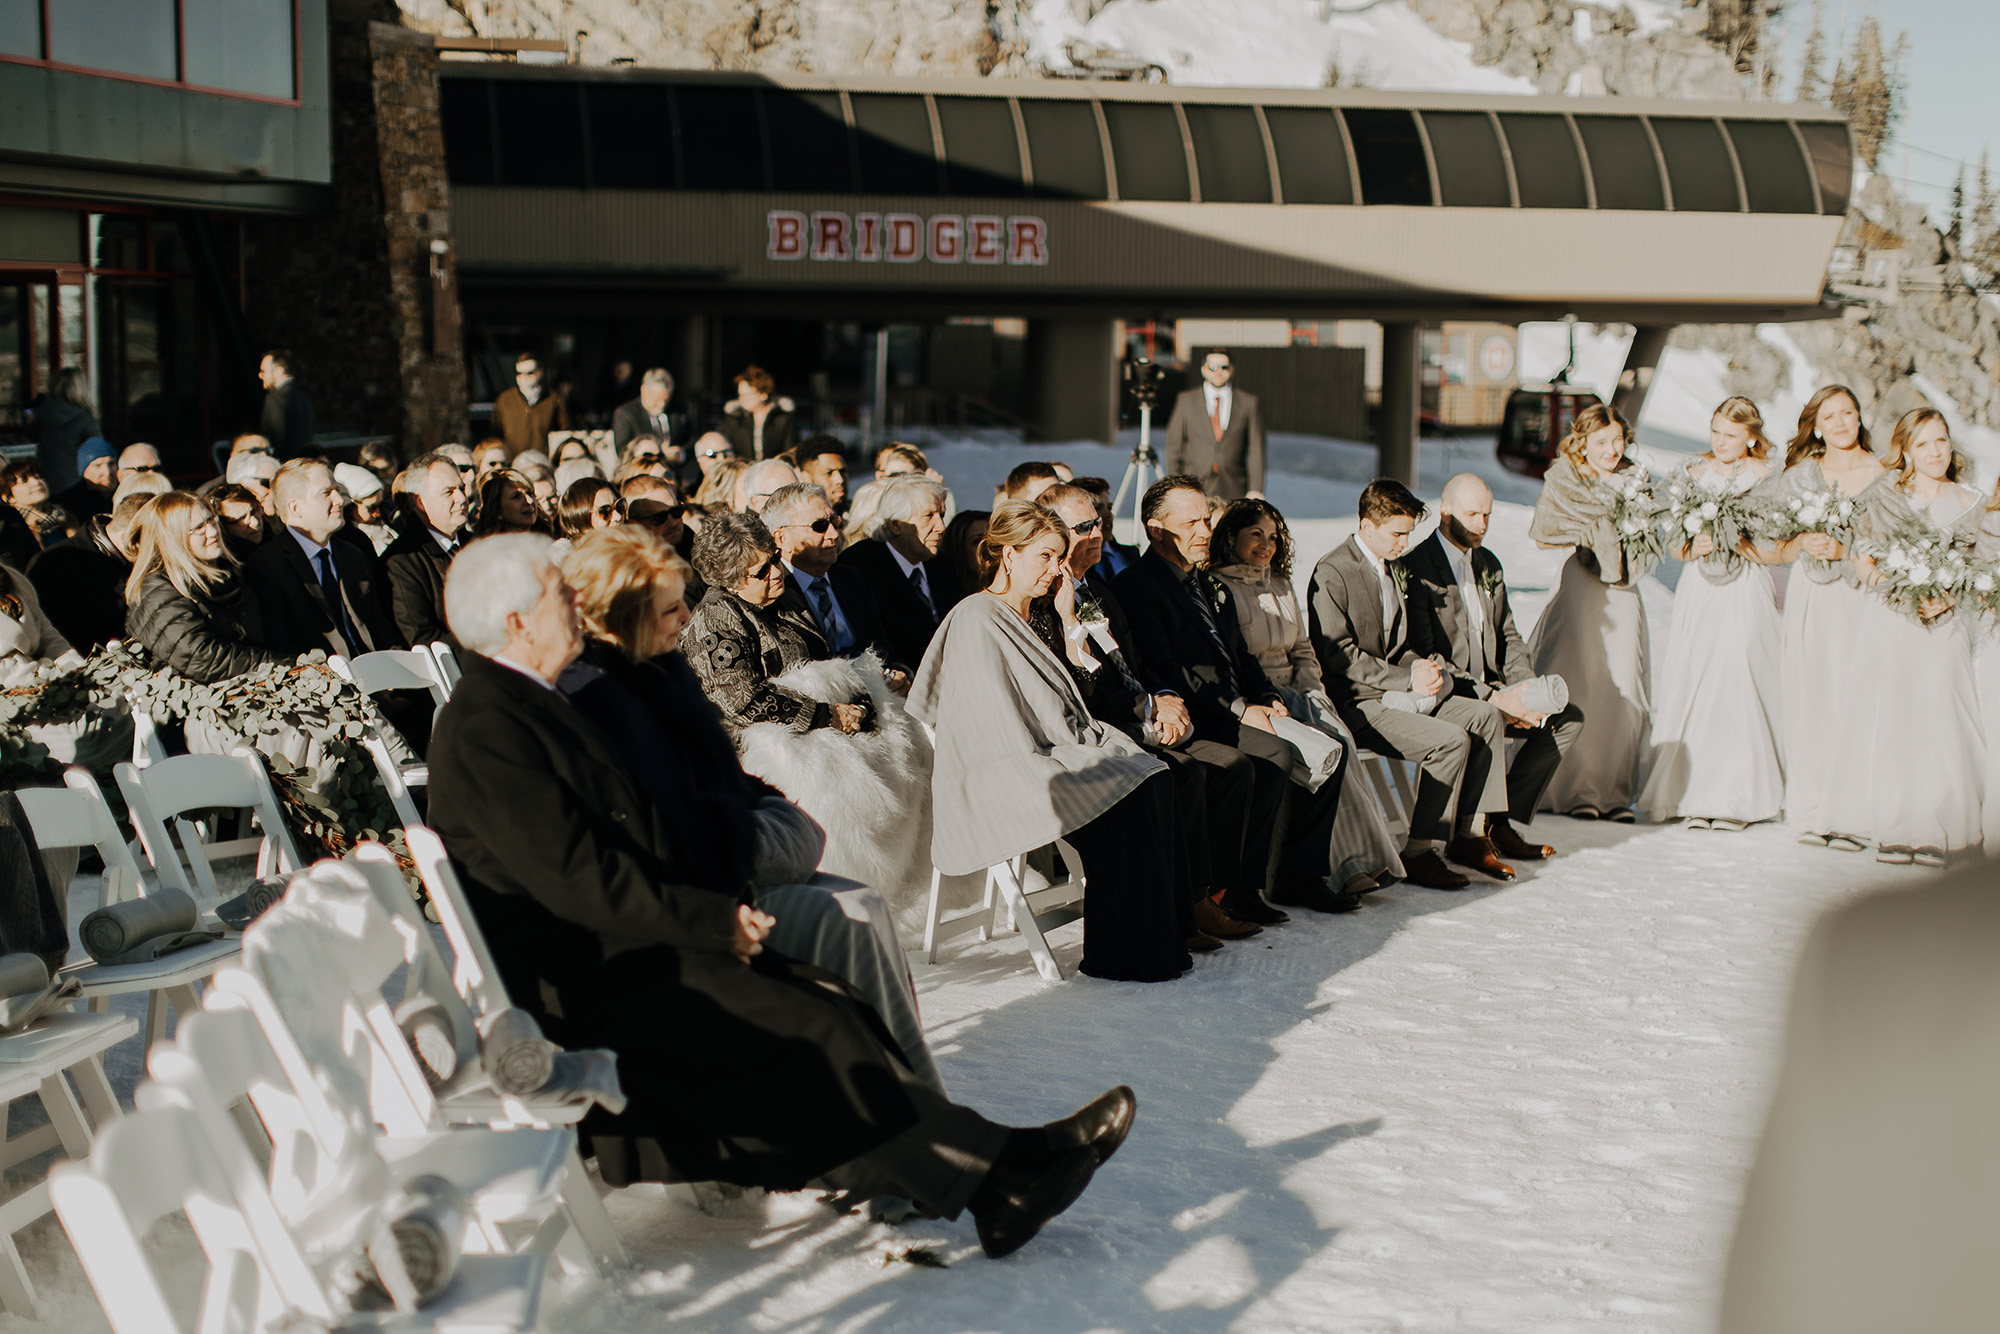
871,791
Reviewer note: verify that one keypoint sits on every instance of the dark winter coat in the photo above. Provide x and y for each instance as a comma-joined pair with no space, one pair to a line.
206,639
61,427
82,591
762,1074
415,565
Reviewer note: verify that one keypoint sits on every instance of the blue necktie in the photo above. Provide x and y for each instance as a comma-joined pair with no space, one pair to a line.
1199,594
822,600
336,605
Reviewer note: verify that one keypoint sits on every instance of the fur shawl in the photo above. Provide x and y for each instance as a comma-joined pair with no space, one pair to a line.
1576,512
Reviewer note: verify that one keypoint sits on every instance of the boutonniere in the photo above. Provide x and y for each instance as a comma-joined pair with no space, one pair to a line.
1400,575
1487,577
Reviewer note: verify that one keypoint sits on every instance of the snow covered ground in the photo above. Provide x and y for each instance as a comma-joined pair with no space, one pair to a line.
1522,1106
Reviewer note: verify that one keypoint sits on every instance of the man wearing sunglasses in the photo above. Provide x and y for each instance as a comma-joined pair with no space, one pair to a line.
653,502
1216,435
138,459
834,600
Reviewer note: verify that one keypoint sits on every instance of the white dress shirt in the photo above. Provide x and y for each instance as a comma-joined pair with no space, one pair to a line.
1217,402
528,672
923,575
1406,700
1468,593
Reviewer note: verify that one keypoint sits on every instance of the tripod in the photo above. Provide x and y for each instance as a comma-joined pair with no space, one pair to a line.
1140,473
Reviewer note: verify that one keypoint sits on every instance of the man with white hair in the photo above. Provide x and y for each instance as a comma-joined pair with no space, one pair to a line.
251,471
740,1064
317,585
135,460
757,483
416,561
899,559
1484,655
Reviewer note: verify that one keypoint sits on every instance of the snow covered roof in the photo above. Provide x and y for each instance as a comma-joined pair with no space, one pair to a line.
1204,198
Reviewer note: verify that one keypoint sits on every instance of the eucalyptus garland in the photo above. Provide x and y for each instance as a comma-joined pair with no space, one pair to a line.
329,809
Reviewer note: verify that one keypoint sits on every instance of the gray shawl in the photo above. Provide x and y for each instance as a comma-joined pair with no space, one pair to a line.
1020,761
1805,478
1573,511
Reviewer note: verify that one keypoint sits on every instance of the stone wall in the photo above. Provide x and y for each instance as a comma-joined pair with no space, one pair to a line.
348,291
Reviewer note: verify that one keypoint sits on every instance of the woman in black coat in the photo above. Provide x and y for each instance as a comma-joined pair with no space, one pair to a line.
185,600
756,423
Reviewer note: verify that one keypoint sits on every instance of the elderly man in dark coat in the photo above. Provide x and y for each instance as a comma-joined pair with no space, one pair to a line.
742,1065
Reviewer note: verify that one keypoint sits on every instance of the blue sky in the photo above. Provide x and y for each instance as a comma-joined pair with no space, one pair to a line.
1952,110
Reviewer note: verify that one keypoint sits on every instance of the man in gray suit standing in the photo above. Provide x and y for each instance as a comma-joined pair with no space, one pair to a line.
1216,435
1472,627
1376,652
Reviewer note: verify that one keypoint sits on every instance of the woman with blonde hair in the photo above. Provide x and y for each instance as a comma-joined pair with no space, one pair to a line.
1926,757
1827,620
1593,631
1021,762
718,491
1717,731
185,601
728,829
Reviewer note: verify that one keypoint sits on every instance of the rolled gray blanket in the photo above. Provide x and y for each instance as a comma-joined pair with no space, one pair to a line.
121,928
415,1251
517,1058
1545,694
427,1028
22,975
247,907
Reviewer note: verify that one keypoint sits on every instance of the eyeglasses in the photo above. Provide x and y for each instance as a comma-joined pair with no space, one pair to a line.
467,469
141,467
716,453
764,571
1084,527
646,458
660,518
606,511
817,525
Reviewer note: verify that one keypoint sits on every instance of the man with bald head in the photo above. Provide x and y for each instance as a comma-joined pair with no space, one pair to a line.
760,481
1472,628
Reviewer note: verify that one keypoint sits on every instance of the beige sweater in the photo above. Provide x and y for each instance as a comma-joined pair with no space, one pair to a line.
30,639
1267,608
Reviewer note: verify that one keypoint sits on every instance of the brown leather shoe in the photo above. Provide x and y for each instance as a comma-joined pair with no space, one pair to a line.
1508,842
1202,943
1428,869
1477,852
1211,920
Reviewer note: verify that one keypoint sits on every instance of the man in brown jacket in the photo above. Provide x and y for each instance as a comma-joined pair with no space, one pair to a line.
524,415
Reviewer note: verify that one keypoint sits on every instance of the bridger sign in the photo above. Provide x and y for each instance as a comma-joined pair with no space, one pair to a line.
905,238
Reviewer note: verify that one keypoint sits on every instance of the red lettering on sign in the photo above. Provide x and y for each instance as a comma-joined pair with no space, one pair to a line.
830,236
947,238
1029,244
982,239
906,237
867,236
788,235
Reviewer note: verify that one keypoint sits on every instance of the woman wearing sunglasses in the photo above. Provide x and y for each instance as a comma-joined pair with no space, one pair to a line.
590,503
739,641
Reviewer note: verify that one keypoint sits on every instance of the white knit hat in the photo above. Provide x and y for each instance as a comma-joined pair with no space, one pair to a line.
359,483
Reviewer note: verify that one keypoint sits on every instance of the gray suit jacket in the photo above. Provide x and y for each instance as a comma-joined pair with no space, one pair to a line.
1434,596
1361,658
1228,467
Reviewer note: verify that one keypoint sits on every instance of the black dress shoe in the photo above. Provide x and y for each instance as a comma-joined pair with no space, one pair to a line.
1100,1125
1428,869
1314,895
1011,1205
1247,905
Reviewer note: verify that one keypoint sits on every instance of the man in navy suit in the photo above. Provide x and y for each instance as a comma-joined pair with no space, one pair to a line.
833,598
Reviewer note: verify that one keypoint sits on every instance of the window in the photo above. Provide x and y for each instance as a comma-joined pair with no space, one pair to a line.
540,133
1546,168
1698,164
722,145
982,154
631,135
808,135
1229,154
1390,156
20,35
1063,146
1622,164
892,133
1147,148
1312,157
467,116
1832,160
1471,172
121,36
242,45
1775,175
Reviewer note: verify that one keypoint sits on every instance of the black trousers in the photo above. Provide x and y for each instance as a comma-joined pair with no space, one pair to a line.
1139,911
1296,844
1213,790
1245,808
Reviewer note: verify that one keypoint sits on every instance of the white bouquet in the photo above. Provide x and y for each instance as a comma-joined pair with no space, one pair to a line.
1635,515
1924,572
1816,511
1728,518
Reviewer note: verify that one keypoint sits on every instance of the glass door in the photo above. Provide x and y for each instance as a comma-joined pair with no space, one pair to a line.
41,331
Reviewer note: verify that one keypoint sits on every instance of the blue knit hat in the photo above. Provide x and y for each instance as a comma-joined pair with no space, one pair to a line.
93,449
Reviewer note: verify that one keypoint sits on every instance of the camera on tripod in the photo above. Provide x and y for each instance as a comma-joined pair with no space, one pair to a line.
1143,380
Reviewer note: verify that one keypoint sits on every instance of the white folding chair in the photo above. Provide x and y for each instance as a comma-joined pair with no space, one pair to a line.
158,1162
35,1061
235,781
447,661
1036,902
394,669
76,816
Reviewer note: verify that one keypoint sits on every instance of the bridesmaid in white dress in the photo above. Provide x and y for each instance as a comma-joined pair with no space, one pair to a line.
1716,731
1986,673
1927,767
1828,695
1593,631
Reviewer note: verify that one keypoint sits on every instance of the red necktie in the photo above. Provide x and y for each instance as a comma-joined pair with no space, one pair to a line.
1215,415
